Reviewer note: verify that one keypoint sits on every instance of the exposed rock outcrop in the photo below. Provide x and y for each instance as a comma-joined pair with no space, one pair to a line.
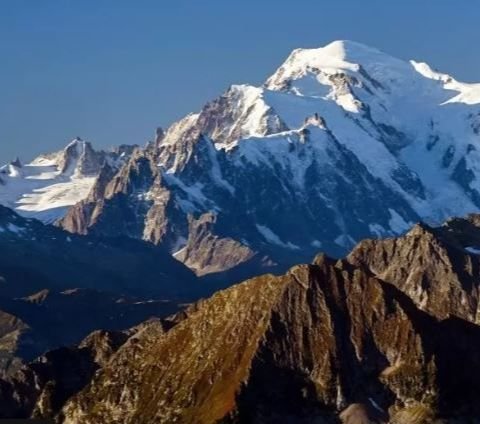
438,268
305,346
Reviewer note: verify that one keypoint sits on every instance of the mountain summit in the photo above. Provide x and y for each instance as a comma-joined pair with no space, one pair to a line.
341,143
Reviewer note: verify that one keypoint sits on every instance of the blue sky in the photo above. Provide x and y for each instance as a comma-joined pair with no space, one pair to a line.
110,71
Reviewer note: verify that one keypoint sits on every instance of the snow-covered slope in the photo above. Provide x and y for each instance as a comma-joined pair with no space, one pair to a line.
50,184
393,115
341,143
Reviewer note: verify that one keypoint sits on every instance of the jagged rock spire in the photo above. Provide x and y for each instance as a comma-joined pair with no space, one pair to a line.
16,162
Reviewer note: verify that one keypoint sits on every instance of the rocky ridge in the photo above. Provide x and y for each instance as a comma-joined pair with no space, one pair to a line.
335,341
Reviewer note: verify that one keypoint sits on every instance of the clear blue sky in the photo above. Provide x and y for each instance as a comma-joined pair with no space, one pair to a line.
110,71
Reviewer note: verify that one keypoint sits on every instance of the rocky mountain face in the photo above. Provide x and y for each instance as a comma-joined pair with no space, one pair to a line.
40,388
49,384
57,287
438,268
386,335
341,143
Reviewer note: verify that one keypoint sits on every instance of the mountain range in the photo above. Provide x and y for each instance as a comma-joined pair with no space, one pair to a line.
343,192
341,143
375,337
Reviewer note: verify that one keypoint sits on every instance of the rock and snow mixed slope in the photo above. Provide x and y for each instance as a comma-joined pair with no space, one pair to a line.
341,143
50,184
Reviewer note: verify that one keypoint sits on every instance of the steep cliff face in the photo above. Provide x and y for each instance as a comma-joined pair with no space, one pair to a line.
207,253
322,340
436,267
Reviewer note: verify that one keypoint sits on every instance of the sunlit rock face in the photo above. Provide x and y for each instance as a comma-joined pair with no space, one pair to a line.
388,334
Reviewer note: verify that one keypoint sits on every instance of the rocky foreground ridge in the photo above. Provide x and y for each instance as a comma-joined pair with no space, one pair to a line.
387,335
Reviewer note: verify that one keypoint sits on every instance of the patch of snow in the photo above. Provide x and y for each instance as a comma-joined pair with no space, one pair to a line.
397,223
14,228
271,237
474,250
245,242
179,246
285,151
195,197
345,240
425,70
179,252
375,405
329,59
467,93
215,170
41,190
253,108
58,195
377,229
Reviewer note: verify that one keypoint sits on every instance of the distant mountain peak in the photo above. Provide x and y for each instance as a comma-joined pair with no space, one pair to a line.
337,57
52,182
341,143
16,162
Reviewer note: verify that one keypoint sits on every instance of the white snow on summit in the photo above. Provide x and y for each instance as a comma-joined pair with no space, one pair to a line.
414,128
365,95
405,128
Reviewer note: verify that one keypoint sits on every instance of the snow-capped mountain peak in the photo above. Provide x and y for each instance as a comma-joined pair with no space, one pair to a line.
47,186
75,159
363,66
341,143
338,57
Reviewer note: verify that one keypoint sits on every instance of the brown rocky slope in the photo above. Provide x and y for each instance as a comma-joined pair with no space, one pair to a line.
388,335
303,347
